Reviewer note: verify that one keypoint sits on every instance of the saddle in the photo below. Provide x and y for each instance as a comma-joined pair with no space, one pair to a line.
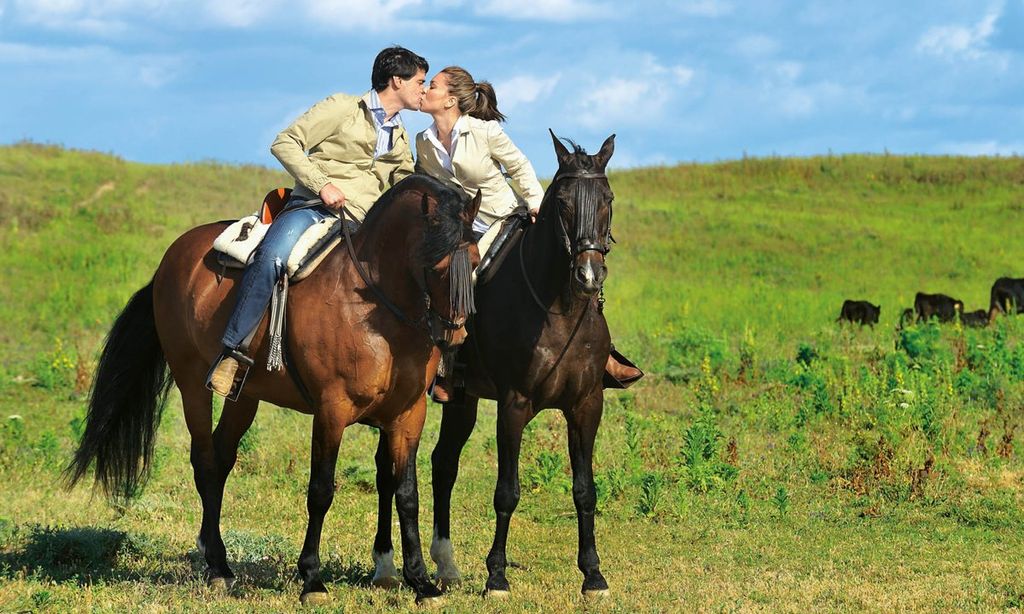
509,231
236,245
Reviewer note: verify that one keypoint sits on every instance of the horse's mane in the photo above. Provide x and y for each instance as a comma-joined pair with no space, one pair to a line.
444,227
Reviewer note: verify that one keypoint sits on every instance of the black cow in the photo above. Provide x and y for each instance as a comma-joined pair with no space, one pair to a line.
859,311
1007,296
945,308
975,319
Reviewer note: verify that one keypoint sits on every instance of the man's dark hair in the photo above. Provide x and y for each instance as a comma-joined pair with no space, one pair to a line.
395,62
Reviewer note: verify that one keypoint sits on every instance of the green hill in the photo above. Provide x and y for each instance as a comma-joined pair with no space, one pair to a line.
767,246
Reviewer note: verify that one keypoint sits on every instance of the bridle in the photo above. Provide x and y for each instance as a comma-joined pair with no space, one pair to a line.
575,246
583,244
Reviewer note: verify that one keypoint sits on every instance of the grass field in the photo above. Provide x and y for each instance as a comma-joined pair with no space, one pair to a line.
771,460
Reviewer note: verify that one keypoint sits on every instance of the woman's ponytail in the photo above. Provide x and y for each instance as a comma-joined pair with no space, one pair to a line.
486,107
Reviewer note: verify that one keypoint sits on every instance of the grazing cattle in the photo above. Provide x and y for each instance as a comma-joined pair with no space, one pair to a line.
861,312
975,319
945,308
1007,296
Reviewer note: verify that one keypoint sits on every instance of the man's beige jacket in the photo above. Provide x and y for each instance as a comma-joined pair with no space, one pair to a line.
481,150
340,137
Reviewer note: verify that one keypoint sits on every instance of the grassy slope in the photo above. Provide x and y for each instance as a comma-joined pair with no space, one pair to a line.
770,246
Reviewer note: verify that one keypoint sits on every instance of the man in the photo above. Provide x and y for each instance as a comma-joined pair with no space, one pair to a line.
347,150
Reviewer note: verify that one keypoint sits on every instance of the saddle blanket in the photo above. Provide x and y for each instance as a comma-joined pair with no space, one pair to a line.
237,243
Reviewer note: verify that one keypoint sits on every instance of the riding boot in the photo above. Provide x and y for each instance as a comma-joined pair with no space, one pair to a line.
222,376
624,374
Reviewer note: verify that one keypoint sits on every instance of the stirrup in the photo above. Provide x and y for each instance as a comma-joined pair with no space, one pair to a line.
440,390
228,373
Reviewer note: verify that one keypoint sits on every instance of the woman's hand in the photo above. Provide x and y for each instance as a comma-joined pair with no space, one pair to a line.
333,197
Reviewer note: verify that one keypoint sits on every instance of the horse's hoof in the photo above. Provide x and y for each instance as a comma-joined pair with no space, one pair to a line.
430,602
497,593
387,582
220,585
312,599
596,594
446,584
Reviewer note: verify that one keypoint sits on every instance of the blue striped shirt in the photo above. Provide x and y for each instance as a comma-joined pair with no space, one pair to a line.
385,127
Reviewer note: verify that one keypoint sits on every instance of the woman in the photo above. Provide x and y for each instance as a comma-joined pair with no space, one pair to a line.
466,147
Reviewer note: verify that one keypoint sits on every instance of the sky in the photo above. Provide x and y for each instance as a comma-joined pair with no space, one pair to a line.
677,81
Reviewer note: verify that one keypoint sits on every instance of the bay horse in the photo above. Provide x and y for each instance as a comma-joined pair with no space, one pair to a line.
360,348
538,340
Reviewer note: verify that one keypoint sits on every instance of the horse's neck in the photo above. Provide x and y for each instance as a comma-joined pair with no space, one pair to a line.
383,249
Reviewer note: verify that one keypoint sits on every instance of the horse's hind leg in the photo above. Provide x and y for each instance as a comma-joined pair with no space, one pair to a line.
582,423
385,575
212,456
403,439
457,422
513,415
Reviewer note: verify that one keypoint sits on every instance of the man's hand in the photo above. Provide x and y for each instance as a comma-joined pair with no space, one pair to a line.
333,197
533,215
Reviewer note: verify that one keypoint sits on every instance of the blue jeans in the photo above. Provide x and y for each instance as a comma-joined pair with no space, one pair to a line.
269,263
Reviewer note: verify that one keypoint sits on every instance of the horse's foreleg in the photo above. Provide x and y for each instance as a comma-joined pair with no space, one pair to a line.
403,437
327,430
582,422
457,422
513,414
384,574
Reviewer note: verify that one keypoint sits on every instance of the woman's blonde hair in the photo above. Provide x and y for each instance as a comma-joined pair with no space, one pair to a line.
474,98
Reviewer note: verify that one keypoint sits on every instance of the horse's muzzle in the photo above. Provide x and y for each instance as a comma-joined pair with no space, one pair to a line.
589,275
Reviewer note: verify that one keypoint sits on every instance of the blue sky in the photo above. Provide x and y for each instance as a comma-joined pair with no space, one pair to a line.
705,80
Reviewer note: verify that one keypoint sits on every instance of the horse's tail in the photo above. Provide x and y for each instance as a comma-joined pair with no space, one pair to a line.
128,396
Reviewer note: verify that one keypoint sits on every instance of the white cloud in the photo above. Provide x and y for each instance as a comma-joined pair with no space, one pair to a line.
983,148
239,13
544,10
16,53
641,97
159,71
524,89
960,41
757,46
96,17
781,89
373,15
95,63
704,8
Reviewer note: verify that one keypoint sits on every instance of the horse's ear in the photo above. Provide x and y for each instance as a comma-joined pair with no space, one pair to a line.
601,158
469,213
560,150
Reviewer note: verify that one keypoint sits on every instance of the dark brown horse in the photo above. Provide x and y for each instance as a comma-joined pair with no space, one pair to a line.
352,359
538,340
